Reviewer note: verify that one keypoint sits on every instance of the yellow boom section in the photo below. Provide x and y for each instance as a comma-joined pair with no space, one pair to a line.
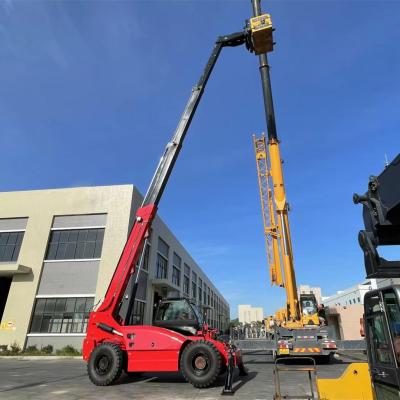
276,222
268,212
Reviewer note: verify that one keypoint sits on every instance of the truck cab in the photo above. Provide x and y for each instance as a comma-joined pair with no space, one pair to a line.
382,331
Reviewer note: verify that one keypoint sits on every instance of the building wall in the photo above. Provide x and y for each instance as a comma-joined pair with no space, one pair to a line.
39,207
345,321
44,212
248,314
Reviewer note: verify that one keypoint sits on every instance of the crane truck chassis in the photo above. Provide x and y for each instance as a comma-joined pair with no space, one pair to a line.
112,344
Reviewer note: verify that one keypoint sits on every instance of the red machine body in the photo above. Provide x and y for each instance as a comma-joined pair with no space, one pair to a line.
148,348
153,349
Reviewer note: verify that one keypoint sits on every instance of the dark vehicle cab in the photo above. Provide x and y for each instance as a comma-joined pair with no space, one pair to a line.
179,315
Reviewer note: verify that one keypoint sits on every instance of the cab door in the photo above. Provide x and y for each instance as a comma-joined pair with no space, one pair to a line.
383,362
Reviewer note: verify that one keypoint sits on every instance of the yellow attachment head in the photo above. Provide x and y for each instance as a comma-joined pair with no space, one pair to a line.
261,34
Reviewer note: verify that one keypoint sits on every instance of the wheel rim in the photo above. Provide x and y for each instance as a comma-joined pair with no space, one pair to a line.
200,363
103,365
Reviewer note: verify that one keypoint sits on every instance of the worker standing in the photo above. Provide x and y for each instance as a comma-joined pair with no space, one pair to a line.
322,314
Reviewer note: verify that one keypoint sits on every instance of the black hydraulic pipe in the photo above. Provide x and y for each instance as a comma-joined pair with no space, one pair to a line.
266,85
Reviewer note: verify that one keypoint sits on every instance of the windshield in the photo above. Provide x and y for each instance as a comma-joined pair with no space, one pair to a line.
308,306
175,310
198,313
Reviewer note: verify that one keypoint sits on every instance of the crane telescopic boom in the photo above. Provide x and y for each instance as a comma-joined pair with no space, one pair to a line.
276,227
275,210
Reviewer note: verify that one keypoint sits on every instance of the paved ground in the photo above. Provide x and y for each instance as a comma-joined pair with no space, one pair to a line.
67,379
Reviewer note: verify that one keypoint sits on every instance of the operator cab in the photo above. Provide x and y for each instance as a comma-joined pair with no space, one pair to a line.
382,330
309,310
308,304
179,315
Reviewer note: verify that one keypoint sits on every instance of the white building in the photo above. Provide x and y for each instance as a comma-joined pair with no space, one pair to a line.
351,296
248,314
380,283
306,289
355,294
344,310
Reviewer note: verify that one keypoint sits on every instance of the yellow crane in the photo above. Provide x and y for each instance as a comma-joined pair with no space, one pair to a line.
298,328
275,209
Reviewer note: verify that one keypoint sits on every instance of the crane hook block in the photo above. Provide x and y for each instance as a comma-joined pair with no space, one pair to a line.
261,34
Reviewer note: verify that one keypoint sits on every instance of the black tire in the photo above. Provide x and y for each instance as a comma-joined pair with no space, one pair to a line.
105,364
200,363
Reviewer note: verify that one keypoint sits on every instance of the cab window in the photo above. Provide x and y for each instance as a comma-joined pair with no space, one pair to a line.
380,345
198,314
308,307
393,315
174,310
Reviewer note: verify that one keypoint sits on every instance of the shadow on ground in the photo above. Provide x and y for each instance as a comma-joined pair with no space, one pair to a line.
177,378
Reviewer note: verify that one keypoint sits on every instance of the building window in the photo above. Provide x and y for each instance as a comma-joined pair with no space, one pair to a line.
200,290
358,299
187,270
72,244
61,315
176,270
194,285
163,248
162,267
162,259
176,276
186,285
186,279
208,296
194,290
10,244
146,258
177,261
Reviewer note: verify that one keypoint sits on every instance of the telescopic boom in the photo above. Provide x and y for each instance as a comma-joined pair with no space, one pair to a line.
257,36
278,230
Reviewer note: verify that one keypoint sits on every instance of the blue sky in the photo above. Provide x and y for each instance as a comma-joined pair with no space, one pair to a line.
92,91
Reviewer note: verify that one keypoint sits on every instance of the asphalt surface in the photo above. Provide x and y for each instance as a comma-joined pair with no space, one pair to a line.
67,379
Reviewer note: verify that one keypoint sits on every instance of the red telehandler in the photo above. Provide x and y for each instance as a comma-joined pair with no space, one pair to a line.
179,339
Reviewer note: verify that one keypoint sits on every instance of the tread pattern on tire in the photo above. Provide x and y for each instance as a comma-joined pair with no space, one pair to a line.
118,367
217,372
